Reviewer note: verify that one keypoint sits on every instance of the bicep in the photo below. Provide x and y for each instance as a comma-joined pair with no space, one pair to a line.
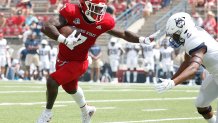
50,28
197,56
58,21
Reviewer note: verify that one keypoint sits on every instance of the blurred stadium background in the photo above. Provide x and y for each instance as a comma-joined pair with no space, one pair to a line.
21,21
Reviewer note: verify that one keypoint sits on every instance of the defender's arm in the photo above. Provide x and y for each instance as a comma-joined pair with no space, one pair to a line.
190,67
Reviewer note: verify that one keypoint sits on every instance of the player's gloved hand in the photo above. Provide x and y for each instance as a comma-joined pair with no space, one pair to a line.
165,85
70,40
148,40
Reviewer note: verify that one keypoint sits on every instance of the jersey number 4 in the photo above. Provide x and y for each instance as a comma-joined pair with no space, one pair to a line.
80,41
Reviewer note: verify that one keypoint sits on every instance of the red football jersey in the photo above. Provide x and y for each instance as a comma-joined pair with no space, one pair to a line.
90,33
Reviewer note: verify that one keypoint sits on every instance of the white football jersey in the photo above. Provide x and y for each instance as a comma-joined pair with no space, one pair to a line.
114,51
201,39
3,44
166,54
148,51
53,54
44,53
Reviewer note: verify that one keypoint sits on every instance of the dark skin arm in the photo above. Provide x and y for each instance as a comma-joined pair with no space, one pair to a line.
50,28
183,66
56,23
126,35
189,67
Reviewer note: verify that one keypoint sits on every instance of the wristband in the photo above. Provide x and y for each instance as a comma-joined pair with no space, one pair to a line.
61,38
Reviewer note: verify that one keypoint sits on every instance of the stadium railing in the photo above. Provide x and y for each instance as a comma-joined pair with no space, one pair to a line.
128,17
124,20
160,23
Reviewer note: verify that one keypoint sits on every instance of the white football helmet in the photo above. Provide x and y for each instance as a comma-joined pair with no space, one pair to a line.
113,41
178,28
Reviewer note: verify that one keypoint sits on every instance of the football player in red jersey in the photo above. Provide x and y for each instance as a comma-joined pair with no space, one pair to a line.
90,16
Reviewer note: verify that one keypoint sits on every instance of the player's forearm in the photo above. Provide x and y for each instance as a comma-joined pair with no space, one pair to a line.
126,35
50,30
187,74
182,67
131,37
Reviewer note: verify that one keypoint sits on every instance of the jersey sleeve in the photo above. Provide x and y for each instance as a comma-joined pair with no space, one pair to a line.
194,45
110,22
67,11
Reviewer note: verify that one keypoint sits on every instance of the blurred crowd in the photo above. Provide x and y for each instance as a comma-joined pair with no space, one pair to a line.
204,13
18,16
126,63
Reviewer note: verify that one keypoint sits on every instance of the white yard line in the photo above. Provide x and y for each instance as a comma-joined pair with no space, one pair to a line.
137,85
105,108
151,110
101,101
8,86
158,120
103,90
57,106
11,92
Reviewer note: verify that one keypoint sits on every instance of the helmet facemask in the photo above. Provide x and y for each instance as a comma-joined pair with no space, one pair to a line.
176,40
95,12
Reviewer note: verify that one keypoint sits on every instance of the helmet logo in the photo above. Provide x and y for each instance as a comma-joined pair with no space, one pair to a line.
180,22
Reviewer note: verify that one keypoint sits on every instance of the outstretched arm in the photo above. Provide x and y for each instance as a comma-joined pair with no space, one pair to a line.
126,35
191,69
186,71
183,66
133,37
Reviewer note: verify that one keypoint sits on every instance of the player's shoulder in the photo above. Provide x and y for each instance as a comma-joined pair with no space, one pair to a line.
108,20
197,41
69,8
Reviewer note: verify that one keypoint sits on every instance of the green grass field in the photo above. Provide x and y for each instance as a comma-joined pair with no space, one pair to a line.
23,102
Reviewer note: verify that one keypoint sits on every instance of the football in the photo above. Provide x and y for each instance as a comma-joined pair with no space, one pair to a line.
67,30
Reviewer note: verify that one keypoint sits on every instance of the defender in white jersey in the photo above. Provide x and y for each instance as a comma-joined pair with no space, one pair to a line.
3,56
201,49
148,55
53,57
44,52
131,61
166,59
114,52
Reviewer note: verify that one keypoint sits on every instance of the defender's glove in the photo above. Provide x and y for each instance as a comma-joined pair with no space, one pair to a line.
165,85
70,40
148,40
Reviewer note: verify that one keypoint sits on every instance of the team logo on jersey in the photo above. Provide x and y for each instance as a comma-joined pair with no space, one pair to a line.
76,21
98,27
180,22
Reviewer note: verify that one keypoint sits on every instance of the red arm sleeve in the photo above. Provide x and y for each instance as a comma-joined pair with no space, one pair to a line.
110,22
